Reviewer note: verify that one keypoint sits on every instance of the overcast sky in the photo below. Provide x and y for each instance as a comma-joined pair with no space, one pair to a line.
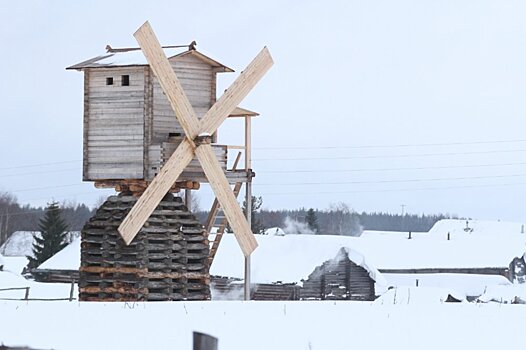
374,103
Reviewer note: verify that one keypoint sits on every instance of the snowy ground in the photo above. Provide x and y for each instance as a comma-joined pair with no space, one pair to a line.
262,325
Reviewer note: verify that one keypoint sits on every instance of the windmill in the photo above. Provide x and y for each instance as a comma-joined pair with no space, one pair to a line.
196,142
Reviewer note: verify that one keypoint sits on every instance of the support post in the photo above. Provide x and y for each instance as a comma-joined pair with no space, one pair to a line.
248,201
188,199
248,196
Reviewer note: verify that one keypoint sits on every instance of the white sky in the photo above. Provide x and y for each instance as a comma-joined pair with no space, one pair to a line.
348,75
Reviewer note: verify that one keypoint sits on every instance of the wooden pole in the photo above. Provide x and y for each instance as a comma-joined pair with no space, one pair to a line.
248,198
72,289
248,201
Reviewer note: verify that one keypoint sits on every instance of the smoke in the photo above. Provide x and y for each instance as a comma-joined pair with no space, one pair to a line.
232,292
294,227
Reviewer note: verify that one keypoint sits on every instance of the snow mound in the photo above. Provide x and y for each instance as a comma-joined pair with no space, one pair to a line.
476,228
418,295
469,284
514,293
15,264
274,231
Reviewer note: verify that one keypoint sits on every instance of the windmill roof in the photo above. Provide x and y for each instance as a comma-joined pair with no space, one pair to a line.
135,57
242,112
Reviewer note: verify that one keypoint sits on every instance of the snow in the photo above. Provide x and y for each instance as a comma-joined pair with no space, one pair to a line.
291,258
20,243
286,259
15,264
477,228
504,294
36,290
262,325
416,295
131,58
462,284
67,259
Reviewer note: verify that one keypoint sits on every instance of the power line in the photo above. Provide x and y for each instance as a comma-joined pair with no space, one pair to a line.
46,188
390,146
387,169
393,155
390,181
39,164
40,172
391,190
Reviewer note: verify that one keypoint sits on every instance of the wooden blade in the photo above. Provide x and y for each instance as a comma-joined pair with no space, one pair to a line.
155,192
236,92
226,198
164,72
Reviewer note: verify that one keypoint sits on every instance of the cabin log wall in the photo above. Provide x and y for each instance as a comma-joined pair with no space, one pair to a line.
115,131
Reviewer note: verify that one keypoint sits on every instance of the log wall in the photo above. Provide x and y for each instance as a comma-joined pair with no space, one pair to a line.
114,124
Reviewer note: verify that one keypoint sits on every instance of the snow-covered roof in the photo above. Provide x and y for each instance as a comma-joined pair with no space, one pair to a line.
67,259
135,57
20,243
477,228
288,258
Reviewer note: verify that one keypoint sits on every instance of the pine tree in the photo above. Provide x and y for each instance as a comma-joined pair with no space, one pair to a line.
312,221
53,231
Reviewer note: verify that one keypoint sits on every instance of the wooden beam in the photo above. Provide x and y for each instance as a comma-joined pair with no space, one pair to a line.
237,92
171,86
160,185
226,198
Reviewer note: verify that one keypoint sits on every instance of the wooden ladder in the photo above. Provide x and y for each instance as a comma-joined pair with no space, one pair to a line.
216,217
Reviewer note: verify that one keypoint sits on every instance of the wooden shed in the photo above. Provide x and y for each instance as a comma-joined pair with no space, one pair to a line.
130,129
339,279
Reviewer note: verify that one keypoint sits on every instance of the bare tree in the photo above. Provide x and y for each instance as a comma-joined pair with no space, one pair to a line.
343,221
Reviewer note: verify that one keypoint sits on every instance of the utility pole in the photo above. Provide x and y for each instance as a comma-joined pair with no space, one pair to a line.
403,208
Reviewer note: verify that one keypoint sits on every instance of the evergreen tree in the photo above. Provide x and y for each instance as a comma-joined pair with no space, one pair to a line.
53,231
256,225
312,221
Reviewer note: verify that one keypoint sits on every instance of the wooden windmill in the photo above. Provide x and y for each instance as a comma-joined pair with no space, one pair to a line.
197,141
150,130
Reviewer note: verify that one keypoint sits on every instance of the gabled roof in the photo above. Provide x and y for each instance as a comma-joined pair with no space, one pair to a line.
134,57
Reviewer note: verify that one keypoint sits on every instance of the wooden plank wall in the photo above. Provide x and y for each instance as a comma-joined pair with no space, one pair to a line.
196,79
115,126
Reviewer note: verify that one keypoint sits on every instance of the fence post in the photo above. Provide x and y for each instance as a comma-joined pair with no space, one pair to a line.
204,341
72,289
26,297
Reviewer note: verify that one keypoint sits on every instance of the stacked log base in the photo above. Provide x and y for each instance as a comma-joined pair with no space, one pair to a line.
167,260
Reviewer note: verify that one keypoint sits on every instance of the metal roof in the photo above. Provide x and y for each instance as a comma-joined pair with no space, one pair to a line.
135,57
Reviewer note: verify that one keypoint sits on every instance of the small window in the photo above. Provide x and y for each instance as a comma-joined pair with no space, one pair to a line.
125,80
109,81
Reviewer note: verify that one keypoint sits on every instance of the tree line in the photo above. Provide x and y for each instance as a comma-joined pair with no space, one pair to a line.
338,219
16,217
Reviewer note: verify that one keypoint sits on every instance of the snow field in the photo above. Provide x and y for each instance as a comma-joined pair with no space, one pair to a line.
261,325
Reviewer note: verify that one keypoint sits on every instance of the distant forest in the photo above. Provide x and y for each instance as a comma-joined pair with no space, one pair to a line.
339,219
